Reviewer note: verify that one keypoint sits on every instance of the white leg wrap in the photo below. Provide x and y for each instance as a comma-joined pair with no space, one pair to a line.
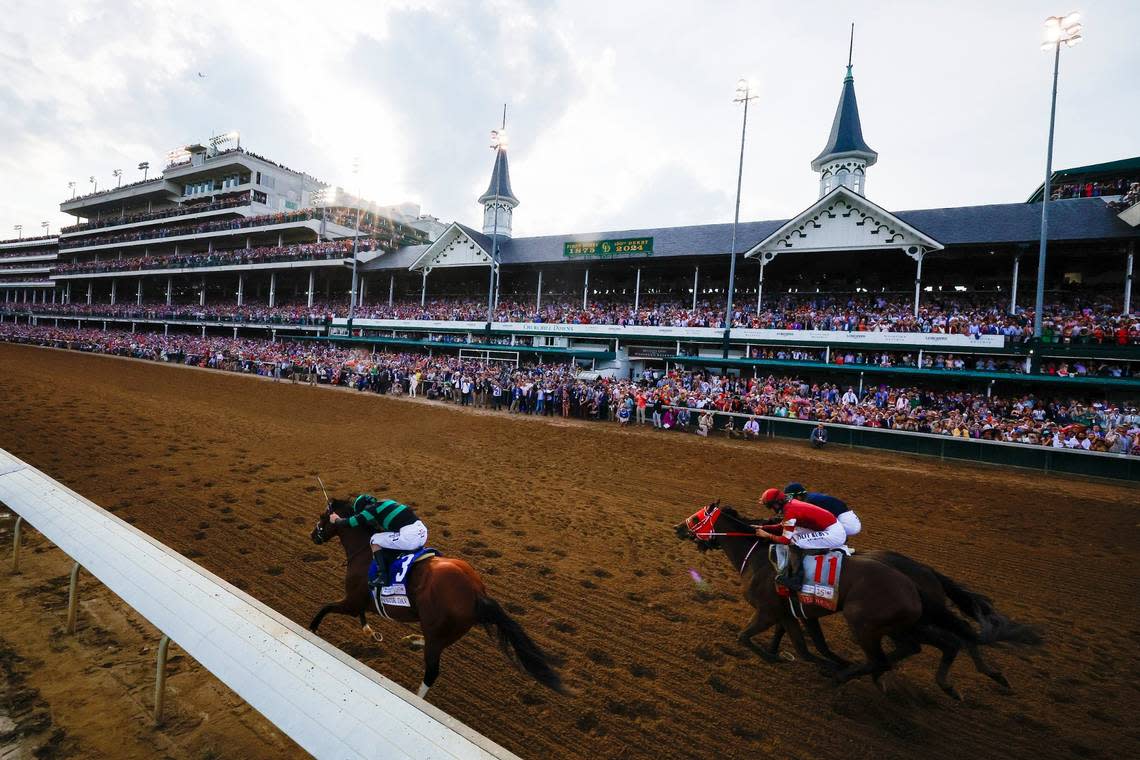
423,690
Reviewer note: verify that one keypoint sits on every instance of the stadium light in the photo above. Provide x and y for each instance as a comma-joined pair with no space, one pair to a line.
743,95
46,227
1059,30
94,182
19,228
118,174
72,186
144,166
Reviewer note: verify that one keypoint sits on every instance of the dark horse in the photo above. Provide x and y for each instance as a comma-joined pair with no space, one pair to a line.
447,595
876,600
939,590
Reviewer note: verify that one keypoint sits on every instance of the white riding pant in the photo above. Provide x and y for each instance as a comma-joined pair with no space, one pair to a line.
831,537
850,522
406,539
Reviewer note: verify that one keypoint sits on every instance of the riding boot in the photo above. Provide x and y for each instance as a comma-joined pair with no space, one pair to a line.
381,579
793,576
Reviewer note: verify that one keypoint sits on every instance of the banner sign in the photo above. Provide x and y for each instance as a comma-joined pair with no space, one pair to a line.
604,249
801,337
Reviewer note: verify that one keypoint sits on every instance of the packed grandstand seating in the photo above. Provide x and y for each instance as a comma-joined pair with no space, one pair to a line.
676,400
26,239
1117,186
333,249
25,252
251,312
1075,321
190,207
370,224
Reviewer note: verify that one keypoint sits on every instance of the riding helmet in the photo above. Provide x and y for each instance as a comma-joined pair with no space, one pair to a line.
794,489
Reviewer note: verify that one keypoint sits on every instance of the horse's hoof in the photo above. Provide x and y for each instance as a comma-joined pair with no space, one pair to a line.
1002,680
369,633
952,693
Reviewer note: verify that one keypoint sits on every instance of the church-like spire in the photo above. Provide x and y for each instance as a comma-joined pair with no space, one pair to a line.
500,187
499,202
846,156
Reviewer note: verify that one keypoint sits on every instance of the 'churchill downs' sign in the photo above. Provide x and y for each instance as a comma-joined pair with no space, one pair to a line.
603,249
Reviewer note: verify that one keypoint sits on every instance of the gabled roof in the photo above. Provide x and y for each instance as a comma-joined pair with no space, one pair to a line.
843,220
846,131
458,246
495,189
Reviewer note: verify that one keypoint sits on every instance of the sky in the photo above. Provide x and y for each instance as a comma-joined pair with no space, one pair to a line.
620,114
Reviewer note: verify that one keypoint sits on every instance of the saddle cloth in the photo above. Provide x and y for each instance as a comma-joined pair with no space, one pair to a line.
396,593
821,575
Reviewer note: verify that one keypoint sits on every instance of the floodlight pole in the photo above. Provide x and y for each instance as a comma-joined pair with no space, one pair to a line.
1039,302
744,95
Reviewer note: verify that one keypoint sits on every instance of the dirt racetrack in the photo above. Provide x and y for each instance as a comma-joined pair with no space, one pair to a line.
570,525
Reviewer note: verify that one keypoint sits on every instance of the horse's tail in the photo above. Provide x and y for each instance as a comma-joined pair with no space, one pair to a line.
995,627
516,645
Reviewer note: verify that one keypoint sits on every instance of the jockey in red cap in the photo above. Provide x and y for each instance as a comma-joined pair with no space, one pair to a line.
806,527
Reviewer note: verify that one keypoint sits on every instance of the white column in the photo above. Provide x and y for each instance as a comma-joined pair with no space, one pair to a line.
586,289
280,239
363,290
114,290
637,290
169,289
67,295
202,293
1013,287
917,281
90,283
1128,280
696,279
312,285
210,246
241,290
538,293
272,288
248,242
53,294
423,290
138,299
391,289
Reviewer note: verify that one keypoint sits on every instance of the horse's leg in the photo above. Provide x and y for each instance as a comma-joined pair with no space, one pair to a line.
796,634
949,645
773,647
343,607
432,652
871,642
761,621
984,667
816,632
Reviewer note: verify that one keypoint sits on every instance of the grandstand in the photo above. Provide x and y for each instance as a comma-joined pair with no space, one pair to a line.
846,292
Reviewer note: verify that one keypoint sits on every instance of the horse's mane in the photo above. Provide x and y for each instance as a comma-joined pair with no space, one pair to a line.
342,507
748,520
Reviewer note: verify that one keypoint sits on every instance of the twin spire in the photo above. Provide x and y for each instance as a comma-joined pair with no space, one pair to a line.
843,161
845,158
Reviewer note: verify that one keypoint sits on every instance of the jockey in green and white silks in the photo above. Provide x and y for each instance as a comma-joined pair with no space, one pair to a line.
396,525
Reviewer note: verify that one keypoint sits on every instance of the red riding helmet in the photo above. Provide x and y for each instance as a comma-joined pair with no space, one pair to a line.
774,497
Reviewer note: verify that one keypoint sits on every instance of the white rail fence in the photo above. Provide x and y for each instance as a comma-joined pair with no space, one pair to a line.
330,704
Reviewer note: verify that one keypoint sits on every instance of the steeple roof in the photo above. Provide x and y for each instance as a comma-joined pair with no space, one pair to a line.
496,189
846,132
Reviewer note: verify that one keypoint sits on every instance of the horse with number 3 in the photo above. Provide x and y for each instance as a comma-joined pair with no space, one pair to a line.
447,598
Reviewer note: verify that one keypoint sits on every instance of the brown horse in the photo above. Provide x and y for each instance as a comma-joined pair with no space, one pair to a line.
876,600
447,598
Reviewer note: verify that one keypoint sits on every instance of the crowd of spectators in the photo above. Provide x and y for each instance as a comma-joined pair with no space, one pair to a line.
25,252
255,312
694,401
331,249
190,207
1081,322
26,239
1090,189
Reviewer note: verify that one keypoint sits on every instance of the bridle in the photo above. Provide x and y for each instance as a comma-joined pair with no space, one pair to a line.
701,526
319,533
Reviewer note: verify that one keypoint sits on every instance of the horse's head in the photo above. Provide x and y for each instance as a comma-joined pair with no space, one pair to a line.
700,527
326,528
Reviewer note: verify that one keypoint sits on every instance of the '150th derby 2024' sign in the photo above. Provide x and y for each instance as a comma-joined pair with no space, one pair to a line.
602,249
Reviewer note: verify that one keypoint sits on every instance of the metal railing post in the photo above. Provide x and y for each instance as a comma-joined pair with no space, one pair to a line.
16,545
72,597
160,679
